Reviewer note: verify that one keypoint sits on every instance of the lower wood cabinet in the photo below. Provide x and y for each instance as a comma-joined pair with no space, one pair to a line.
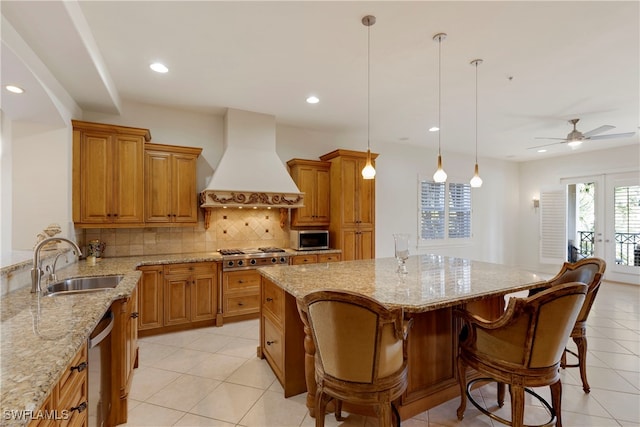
315,258
68,398
177,295
280,324
124,354
240,293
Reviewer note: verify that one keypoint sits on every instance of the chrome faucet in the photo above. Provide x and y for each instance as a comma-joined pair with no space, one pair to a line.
51,277
36,271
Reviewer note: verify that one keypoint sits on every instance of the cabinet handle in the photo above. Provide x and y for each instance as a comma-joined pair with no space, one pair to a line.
115,214
174,215
240,304
269,299
81,367
80,408
271,342
135,315
168,215
109,215
240,281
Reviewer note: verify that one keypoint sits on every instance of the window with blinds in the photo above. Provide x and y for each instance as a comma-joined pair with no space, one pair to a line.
445,211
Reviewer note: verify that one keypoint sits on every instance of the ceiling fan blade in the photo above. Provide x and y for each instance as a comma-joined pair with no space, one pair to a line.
544,137
596,131
546,145
612,135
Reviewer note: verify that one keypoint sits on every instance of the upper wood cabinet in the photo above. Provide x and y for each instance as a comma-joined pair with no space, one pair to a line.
171,197
312,178
352,225
108,175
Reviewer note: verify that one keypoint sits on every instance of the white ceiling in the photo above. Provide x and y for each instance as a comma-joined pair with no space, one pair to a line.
544,63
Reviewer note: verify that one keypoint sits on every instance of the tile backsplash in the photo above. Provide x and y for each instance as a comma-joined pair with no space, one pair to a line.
229,228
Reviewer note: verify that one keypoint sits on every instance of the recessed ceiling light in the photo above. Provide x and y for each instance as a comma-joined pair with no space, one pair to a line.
159,68
14,89
434,129
313,100
542,150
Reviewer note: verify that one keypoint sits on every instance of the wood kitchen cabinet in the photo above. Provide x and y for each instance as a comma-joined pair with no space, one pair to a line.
68,397
124,339
312,178
279,324
190,292
352,224
108,175
151,297
240,294
315,258
171,197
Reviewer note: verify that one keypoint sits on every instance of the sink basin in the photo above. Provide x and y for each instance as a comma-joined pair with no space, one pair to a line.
84,284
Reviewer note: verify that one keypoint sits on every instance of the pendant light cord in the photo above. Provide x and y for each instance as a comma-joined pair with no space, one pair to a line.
368,86
439,89
477,63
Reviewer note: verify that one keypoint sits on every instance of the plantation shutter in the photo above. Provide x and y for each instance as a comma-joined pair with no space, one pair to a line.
459,211
432,207
553,226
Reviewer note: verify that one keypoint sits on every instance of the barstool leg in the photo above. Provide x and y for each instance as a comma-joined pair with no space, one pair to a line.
556,401
517,405
462,381
581,343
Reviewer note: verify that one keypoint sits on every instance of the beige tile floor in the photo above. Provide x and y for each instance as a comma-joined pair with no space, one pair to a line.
212,377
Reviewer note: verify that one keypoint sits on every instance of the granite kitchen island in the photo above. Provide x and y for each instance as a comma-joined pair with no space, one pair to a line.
430,290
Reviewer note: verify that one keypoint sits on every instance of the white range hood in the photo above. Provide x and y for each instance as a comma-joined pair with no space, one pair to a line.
250,173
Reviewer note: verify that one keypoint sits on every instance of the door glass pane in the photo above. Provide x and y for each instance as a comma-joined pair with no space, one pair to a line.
586,218
627,225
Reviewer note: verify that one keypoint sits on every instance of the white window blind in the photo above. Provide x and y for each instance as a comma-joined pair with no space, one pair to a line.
459,211
553,226
445,211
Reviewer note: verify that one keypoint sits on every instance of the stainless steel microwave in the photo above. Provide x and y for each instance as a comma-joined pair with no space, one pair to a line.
309,240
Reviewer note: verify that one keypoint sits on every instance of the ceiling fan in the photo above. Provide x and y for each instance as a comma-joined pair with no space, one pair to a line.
575,137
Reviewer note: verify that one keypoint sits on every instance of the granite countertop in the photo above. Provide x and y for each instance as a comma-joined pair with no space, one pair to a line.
432,281
39,335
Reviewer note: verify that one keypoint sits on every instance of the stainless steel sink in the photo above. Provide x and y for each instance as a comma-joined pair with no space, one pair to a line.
83,284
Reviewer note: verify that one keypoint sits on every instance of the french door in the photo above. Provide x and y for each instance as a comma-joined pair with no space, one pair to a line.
603,220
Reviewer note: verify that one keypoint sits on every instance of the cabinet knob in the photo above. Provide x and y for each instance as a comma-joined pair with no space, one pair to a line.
269,299
81,367
240,281
270,342
240,304
109,215
115,214
168,215
135,315
80,408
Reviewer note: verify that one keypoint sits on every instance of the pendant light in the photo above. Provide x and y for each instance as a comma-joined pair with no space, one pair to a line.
440,175
368,172
476,181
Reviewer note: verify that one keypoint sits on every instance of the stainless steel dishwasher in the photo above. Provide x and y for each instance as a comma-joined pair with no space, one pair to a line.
99,383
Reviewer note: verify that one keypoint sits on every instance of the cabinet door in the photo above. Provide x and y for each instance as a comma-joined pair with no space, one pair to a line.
96,176
131,335
157,186
350,179
366,244
150,297
203,297
128,179
349,245
323,196
306,182
177,300
183,190
304,259
366,198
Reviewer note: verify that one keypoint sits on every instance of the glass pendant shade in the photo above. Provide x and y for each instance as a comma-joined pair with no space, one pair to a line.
440,175
476,181
368,172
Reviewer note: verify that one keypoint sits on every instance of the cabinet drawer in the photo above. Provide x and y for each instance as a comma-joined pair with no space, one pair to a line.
304,259
329,258
235,305
241,280
190,268
76,399
273,346
273,300
76,373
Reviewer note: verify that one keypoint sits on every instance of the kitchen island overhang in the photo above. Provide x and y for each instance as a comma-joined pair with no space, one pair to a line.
433,286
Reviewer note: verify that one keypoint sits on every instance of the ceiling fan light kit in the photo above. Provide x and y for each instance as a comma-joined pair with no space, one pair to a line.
575,138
